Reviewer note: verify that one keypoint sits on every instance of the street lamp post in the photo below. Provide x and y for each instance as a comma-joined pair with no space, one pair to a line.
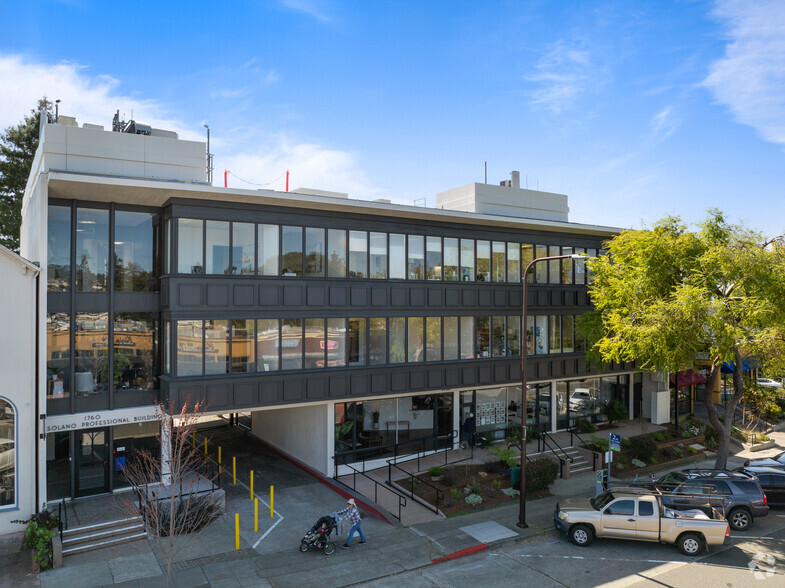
524,408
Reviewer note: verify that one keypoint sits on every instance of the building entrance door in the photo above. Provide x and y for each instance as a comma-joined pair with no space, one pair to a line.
92,462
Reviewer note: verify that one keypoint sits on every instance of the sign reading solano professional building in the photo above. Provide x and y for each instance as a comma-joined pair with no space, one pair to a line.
105,418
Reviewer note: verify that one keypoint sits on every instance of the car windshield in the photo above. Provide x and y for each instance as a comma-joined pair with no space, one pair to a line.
780,458
602,500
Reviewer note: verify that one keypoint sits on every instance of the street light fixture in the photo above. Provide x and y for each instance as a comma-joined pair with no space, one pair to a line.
522,508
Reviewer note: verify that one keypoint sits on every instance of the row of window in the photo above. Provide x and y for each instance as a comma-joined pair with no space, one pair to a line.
223,247
265,345
130,258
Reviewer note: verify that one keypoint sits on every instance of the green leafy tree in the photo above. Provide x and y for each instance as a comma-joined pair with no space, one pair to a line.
17,149
666,296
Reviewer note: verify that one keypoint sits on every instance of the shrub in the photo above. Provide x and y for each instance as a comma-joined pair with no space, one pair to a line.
476,488
497,484
436,471
473,499
659,436
712,437
455,493
678,453
511,492
625,444
643,447
585,426
540,474
615,410
41,529
600,445
506,455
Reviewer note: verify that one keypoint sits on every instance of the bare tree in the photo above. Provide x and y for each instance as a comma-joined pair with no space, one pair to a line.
175,492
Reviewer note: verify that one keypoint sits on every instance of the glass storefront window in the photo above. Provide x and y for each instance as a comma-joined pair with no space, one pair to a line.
416,257
92,354
513,262
483,336
513,335
530,339
267,344
527,256
336,253
590,253
377,341
189,246
467,260
566,266
376,415
133,251
243,248
58,252
567,345
336,342
541,269
357,342
415,339
58,466
497,336
433,338
291,344
580,267
378,260
397,340
541,335
135,351
467,337
554,266
216,347
584,399
433,258
243,356
483,261
397,257
314,343
491,412
189,347
554,345
450,338
129,441
92,250
415,417
58,355
564,418
358,254
314,252
217,247
8,442
291,251
268,250
498,262
451,259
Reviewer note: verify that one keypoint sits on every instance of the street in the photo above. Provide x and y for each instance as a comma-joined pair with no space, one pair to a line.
753,559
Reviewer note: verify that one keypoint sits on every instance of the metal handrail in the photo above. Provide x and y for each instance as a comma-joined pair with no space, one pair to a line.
401,497
547,435
365,454
412,478
544,437
595,454
62,518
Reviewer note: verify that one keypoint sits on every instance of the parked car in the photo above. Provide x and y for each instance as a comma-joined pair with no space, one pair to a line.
777,461
639,514
582,399
737,495
769,382
772,480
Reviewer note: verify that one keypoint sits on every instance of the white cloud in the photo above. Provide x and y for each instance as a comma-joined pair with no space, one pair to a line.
564,73
312,8
663,124
750,78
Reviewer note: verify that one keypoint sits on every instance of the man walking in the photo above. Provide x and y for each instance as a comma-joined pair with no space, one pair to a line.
351,513
469,427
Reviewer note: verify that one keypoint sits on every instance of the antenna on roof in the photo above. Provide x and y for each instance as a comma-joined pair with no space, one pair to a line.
486,172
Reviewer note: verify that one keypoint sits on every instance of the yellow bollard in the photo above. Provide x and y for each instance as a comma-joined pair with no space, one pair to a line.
255,515
251,484
236,531
219,459
271,502
234,470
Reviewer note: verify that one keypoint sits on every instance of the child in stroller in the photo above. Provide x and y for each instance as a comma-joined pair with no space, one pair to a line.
319,535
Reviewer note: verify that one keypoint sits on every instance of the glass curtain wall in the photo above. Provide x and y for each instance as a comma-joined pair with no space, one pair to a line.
217,248
336,253
243,248
397,257
314,252
58,252
291,251
133,251
378,260
92,250
358,254
190,235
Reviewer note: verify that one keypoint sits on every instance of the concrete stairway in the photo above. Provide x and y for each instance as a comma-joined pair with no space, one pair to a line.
581,458
100,535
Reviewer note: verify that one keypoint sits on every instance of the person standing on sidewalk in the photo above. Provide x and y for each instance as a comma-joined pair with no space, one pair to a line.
469,427
351,513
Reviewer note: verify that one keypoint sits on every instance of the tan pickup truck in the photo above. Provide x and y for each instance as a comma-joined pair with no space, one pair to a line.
633,513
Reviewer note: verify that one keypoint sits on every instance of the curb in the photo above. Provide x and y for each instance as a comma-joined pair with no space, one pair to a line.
461,553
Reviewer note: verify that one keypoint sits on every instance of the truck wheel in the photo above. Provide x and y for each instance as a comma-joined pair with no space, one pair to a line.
581,535
739,519
690,544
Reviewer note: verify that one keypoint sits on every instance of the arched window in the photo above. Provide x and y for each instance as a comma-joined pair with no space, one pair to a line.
7,453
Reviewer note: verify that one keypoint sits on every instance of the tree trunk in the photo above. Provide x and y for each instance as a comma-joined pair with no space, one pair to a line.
724,427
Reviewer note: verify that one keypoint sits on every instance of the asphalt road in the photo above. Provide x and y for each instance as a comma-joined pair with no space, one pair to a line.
756,558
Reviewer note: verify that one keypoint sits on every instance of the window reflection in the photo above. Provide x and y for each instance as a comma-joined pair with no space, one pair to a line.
397,257
467,260
189,347
513,262
189,246
58,250
314,343
292,344
497,334
243,248
450,338
433,338
483,336
483,261
358,254
541,269
216,347
357,341
467,337
314,252
377,341
92,250
133,251
451,259
416,257
336,342
291,251
554,266
513,335
268,250
267,345
415,339
433,259
336,261
555,334
92,354
243,335
217,247
58,355
7,453
397,339
378,260
498,266
135,351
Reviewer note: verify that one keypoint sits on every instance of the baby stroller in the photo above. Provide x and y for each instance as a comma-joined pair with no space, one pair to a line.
319,535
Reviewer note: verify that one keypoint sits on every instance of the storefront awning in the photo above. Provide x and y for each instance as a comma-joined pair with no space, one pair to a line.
687,378
746,365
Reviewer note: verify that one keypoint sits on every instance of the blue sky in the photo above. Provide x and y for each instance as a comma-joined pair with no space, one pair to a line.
636,109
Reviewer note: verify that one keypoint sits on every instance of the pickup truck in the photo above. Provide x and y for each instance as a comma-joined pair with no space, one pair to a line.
634,513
